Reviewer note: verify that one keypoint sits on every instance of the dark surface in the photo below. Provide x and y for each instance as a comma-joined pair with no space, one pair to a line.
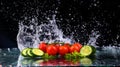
105,56
88,13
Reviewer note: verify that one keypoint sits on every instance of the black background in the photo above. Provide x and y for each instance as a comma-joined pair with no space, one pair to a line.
84,12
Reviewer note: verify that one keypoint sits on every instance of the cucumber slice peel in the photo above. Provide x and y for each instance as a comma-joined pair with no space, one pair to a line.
24,52
37,52
29,52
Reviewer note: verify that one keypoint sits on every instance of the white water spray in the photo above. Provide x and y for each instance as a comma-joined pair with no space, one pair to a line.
31,34
93,37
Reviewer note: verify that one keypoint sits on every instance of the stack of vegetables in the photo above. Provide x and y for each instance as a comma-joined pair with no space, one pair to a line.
56,50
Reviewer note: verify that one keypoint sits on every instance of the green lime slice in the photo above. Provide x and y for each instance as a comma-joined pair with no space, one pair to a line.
86,50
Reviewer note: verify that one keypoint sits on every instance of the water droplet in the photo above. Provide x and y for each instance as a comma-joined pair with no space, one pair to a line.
95,4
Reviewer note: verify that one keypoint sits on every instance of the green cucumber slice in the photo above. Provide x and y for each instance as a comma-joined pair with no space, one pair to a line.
87,50
37,52
29,52
24,52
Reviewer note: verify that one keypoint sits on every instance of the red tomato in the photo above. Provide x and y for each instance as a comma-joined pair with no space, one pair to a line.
68,46
74,48
43,46
57,45
78,44
63,50
51,50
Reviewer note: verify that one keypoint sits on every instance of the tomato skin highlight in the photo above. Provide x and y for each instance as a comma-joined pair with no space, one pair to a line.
43,46
52,50
63,50
74,48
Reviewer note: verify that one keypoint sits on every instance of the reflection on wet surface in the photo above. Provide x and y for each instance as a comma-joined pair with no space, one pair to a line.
105,56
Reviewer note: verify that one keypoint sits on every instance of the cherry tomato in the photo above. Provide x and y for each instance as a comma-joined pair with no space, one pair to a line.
74,48
57,46
68,46
51,50
63,50
78,44
43,46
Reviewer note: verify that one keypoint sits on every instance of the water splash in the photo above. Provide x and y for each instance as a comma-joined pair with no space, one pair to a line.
31,34
93,38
